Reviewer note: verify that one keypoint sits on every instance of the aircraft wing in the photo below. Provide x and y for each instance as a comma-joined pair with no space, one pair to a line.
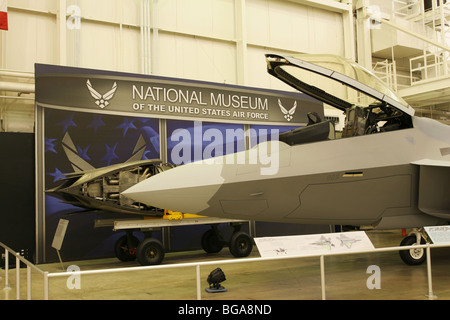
434,187
94,173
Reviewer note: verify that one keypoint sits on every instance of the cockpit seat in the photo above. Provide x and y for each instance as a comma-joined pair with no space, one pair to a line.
320,131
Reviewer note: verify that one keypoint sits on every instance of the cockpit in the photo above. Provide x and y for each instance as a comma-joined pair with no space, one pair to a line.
369,105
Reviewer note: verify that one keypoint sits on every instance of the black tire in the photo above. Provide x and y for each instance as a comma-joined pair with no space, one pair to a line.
413,257
123,251
150,252
241,244
211,243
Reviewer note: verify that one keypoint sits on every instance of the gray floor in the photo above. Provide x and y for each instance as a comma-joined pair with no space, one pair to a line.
295,279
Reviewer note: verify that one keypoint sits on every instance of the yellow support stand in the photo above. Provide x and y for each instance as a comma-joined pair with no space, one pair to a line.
173,215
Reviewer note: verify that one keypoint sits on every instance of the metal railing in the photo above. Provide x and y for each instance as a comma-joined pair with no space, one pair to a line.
19,259
46,275
387,71
434,63
431,65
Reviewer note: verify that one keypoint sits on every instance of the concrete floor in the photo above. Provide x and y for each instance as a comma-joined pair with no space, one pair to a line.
295,279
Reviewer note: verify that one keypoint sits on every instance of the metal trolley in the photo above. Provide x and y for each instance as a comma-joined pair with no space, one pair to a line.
151,250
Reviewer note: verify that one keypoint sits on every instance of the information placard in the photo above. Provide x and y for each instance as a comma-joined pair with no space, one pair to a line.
439,234
313,244
59,234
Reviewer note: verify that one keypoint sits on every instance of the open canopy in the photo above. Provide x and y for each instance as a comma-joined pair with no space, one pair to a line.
321,76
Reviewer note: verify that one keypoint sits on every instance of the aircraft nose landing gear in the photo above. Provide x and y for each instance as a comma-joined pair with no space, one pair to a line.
414,256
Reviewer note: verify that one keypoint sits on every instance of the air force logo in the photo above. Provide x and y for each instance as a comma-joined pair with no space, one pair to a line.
102,100
288,115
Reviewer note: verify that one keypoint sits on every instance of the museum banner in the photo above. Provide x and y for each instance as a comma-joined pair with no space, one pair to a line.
168,98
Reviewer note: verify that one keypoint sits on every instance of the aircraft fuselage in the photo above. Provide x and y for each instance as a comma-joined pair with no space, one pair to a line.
365,180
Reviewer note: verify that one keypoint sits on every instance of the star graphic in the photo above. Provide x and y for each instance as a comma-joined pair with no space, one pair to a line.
127,124
96,122
146,155
144,120
68,122
110,154
57,175
50,145
83,153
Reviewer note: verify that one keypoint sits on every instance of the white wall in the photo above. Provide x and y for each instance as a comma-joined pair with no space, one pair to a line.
213,40
285,27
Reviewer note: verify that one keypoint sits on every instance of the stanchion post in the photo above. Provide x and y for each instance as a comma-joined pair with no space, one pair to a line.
17,277
46,285
322,276
28,282
7,270
430,295
199,286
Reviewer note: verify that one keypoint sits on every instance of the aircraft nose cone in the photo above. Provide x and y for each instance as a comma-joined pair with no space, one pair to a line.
186,189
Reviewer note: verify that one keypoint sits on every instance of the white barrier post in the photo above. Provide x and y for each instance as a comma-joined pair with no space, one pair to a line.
46,285
28,282
6,270
431,296
199,286
17,277
322,276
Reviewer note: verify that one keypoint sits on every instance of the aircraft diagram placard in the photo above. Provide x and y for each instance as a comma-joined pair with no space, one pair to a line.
439,234
305,245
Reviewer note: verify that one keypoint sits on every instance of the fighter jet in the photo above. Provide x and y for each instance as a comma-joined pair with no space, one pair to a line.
388,169
324,243
346,241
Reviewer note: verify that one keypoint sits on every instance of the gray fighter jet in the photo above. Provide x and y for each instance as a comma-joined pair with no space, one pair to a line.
388,169
324,243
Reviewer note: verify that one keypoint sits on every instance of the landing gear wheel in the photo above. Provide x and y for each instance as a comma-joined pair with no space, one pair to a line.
150,252
413,257
125,251
241,244
211,242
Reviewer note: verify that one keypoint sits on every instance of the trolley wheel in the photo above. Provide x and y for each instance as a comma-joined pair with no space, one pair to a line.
412,257
124,251
150,252
241,244
210,242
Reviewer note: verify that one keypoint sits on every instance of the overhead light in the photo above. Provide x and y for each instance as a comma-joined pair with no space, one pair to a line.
214,279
